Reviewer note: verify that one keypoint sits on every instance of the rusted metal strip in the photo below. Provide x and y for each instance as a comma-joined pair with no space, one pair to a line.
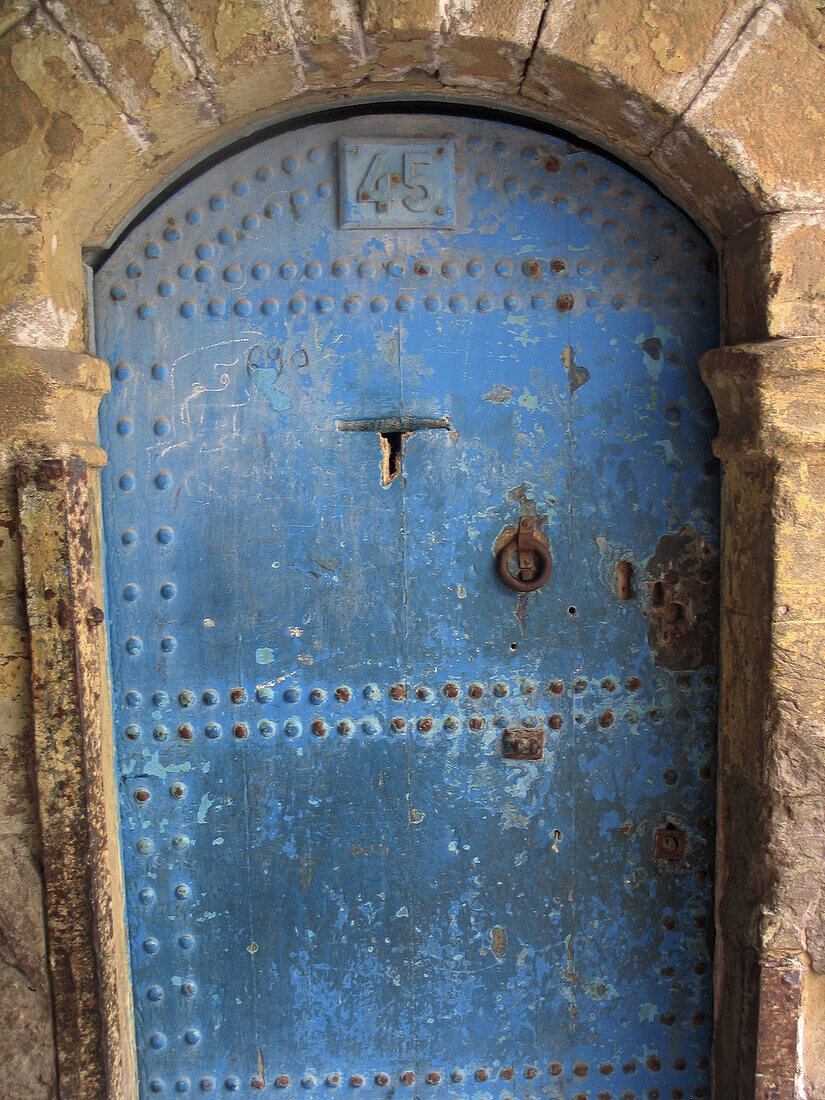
77,811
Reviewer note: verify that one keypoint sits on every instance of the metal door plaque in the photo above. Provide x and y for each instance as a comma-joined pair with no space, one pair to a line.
388,184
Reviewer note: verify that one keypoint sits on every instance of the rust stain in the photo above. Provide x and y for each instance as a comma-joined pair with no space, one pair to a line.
684,597
577,375
498,939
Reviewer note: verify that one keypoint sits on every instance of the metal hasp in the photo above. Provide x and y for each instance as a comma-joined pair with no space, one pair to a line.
522,743
670,844
386,818
534,562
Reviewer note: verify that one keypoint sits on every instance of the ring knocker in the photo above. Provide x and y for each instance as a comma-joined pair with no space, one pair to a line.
535,562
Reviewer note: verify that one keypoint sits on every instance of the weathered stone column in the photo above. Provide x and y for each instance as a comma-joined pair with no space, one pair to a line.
48,409
771,851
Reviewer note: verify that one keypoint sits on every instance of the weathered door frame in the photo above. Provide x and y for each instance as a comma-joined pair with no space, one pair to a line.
771,404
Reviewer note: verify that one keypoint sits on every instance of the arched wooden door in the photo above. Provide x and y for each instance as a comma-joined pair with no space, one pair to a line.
391,824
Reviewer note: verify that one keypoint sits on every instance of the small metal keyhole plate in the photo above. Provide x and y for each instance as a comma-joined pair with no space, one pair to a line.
669,844
522,743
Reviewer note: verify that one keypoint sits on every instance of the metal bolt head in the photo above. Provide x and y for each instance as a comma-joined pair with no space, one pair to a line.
407,1078
382,1080
433,1078
398,691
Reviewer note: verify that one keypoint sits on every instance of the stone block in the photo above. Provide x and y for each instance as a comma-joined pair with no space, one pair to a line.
637,63
775,278
26,1039
486,46
770,397
761,114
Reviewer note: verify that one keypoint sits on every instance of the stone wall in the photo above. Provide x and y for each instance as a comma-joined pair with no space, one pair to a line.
721,103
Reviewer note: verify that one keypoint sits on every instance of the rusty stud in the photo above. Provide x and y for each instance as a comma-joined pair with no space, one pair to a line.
451,690
319,727
433,1078
407,1077
555,721
185,732
142,795
606,719
241,730
481,1074
282,1081
564,303
475,691
177,790
457,1076
556,1069
382,1080
398,691
356,1080
507,1073
398,724
557,687
343,694
425,725
238,695
581,1069
258,1083
500,690
333,1080
531,1073
476,723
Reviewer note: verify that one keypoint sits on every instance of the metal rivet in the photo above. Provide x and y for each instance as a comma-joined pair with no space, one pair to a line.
382,1080
475,691
433,1078
142,795
425,725
481,1074
356,1080
319,727
407,1078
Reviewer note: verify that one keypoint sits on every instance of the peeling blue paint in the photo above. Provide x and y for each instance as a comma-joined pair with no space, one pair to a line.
313,663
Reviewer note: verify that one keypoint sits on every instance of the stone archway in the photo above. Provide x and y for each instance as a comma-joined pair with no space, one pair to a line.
723,110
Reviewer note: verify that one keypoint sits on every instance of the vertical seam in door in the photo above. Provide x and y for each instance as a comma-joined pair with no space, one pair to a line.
403,679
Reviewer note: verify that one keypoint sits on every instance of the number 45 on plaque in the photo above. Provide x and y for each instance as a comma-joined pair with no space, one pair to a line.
389,184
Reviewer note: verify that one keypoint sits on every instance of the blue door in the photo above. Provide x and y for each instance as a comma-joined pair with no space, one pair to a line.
411,534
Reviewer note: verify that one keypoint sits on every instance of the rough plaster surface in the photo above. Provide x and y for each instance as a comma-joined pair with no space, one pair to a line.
721,102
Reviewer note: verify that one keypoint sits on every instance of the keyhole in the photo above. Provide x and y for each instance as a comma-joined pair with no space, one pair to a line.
392,451
392,431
